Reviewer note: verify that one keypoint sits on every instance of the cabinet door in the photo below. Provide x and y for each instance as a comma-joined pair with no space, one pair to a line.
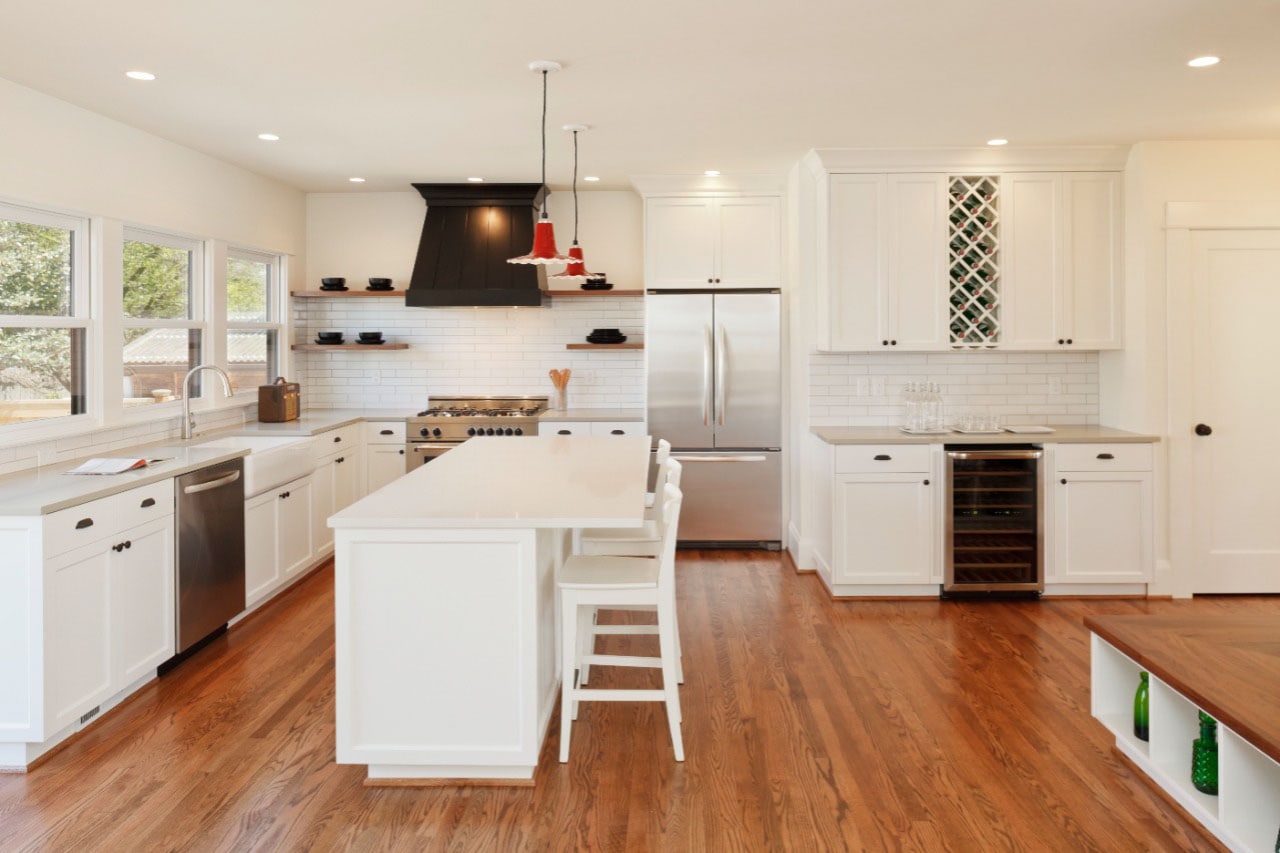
618,428
142,601
1031,267
383,464
884,529
1102,531
78,668
293,526
679,243
855,273
1091,255
322,497
346,478
916,287
262,571
749,243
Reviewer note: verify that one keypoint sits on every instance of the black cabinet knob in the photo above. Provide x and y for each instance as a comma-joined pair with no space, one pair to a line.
1061,341
1204,429
926,482
1070,341
341,459
893,343
337,438
1063,481
128,543
402,453
884,343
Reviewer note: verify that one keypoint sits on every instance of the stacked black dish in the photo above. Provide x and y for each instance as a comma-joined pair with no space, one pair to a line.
372,338
597,283
329,338
379,284
333,284
606,336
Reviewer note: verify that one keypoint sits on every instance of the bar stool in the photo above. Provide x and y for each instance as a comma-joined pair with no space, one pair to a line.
605,581
660,457
642,541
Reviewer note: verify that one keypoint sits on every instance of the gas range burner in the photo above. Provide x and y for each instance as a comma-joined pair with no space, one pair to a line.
485,407
474,412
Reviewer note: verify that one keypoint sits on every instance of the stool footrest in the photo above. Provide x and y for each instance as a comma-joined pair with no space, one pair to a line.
622,660
624,629
581,695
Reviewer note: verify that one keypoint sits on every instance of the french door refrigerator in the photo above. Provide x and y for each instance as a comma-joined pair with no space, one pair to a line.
714,363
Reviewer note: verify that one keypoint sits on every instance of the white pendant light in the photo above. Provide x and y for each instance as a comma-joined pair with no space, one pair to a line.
544,236
577,269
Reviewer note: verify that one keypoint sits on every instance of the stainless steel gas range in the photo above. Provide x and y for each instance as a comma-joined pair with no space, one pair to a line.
452,420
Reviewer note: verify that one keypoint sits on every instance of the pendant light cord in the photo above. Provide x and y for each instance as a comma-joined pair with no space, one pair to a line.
575,188
544,144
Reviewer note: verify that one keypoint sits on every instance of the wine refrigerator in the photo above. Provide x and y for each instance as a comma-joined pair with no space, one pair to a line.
995,522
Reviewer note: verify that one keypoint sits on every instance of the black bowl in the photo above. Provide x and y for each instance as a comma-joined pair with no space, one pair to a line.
380,282
370,336
329,336
606,333
333,282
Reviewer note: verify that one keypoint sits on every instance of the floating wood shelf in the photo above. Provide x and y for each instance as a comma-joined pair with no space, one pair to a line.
344,294
594,292
604,346
326,347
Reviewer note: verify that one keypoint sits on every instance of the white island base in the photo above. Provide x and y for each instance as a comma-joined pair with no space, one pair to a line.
447,666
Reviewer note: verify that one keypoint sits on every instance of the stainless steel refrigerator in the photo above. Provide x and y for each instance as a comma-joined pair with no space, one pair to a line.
715,392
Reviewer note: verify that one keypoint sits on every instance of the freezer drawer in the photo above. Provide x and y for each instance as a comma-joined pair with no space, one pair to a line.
731,497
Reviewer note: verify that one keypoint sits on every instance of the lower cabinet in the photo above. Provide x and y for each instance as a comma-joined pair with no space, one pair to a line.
384,463
885,528
142,600
591,428
278,537
337,486
1102,527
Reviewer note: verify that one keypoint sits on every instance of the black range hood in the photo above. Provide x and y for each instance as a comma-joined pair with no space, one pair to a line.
469,232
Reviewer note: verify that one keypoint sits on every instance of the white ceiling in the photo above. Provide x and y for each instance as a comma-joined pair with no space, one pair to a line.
427,90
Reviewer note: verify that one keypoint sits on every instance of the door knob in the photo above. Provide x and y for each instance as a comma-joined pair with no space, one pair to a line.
1204,429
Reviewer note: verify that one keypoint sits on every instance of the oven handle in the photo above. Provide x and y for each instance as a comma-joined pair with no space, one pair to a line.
423,448
995,454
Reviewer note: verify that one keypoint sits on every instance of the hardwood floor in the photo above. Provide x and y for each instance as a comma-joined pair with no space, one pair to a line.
809,724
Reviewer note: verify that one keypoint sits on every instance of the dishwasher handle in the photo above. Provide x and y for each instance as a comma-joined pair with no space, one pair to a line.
995,454
211,484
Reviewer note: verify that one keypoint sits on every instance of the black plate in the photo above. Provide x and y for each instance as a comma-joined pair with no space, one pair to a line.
621,339
328,343
371,343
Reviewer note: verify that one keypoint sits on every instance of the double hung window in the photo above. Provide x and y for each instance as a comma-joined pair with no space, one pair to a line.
163,316
253,319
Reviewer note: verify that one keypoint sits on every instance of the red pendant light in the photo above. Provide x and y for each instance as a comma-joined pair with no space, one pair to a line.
577,270
544,236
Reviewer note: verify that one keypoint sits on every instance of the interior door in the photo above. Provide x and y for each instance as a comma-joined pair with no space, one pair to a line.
747,405
1235,300
679,350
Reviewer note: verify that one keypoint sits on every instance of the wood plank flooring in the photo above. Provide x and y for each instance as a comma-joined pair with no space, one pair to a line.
809,725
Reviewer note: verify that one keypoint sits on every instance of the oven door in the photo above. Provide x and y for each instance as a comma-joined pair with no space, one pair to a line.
419,453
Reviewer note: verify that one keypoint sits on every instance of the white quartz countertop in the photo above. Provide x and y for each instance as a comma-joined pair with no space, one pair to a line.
593,415
1062,434
530,481
315,421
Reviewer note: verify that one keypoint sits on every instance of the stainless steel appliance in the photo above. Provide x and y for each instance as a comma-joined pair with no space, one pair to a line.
995,521
715,392
452,420
210,581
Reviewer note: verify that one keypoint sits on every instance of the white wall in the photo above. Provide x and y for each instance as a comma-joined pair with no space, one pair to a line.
1135,381
466,351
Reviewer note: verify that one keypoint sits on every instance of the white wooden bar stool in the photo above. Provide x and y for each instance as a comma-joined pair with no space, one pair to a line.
632,541
660,457
587,582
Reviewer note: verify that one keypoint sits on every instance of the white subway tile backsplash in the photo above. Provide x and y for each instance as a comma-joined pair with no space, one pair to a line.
1014,386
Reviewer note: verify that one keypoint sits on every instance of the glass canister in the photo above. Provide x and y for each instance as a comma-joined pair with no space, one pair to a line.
1204,756
1142,708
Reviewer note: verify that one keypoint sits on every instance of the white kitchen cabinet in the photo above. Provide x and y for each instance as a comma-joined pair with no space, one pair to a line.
78,670
885,514
384,463
295,517
142,600
591,428
706,242
1060,279
278,537
883,244
1102,515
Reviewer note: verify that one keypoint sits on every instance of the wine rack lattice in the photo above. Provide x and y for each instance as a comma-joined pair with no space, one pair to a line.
974,260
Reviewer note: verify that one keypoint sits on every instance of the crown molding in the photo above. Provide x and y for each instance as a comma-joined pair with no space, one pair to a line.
675,185
1094,158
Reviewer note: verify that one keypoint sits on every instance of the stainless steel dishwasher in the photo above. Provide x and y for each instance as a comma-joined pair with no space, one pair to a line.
210,585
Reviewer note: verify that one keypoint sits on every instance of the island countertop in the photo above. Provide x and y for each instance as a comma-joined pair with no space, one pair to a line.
525,482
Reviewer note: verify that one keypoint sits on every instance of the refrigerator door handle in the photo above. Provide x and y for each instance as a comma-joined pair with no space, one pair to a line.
706,376
722,356
720,458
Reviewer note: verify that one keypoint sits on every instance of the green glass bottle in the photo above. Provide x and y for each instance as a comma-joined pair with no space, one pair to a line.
1142,709
1204,756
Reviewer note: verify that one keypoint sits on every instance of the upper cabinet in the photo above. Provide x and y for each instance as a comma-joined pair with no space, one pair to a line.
966,255
713,242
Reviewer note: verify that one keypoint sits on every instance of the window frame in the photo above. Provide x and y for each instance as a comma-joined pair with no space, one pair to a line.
83,315
277,297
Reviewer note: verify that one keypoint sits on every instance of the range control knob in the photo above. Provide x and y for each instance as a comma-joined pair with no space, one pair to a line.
510,431
519,431
424,432
471,430
436,432
489,431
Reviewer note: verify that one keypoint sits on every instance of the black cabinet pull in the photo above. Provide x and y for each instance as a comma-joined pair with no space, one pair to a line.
710,281
618,432
341,459
128,543
1063,481
386,432
884,343
1070,341
83,523
926,482
284,495
882,457
402,453
893,343
565,432
148,502
1061,341
337,438
1106,456
1204,429
118,547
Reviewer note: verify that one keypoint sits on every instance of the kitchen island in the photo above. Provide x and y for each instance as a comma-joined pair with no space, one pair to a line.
445,603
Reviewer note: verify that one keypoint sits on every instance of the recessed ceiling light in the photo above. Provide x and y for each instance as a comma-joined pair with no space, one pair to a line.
712,173
268,137
997,142
592,178
476,180
356,180
139,75
1204,61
